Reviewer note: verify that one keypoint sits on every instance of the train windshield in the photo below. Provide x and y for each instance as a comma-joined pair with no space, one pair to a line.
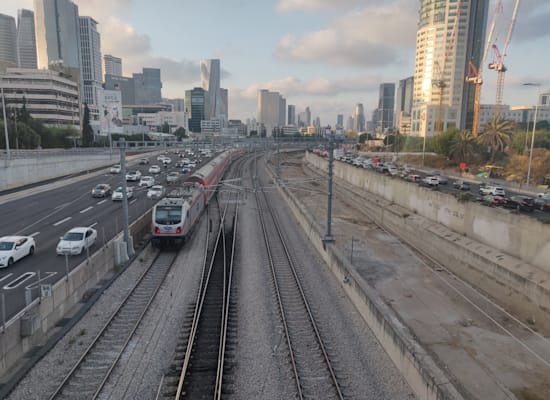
166,215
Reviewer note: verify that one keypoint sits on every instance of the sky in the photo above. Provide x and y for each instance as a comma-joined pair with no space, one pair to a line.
325,54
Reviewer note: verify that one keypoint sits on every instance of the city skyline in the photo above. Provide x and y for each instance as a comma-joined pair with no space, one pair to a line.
306,63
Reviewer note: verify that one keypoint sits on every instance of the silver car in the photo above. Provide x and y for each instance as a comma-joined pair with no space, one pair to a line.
172,177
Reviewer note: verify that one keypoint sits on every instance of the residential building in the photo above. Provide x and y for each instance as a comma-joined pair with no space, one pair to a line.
112,65
147,86
269,110
57,33
210,82
50,96
91,73
386,101
196,102
26,40
359,118
8,48
450,35
291,112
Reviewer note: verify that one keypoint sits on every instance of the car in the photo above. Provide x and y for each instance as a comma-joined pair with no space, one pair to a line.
14,248
161,157
185,170
115,169
494,190
542,201
461,185
441,179
155,192
492,200
431,181
154,169
172,177
178,164
133,176
117,194
76,240
166,160
102,190
143,161
382,168
392,170
192,164
146,181
523,203
413,178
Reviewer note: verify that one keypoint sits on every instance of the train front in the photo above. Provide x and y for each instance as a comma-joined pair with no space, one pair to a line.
168,224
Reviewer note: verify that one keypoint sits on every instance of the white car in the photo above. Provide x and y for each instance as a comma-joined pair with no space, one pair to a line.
192,164
133,176
115,169
154,169
155,192
161,157
166,160
117,194
147,181
76,241
14,248
431,181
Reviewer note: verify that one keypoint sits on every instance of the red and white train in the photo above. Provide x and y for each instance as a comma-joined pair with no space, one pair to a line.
175,216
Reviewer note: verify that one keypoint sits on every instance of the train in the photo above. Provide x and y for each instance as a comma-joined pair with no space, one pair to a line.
175,216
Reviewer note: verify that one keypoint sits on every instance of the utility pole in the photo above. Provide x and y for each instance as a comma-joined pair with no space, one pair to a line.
122,145
328,236
5,125
278,156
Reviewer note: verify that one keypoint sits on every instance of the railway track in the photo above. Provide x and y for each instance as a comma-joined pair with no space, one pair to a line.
201,362
312,368
90,373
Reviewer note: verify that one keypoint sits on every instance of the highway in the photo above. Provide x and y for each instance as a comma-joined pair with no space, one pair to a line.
49,214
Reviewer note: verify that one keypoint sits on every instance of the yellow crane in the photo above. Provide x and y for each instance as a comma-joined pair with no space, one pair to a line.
475,75
498,63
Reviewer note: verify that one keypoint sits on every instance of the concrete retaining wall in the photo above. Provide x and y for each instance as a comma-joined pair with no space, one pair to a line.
425,378
42,314
24,171
517,235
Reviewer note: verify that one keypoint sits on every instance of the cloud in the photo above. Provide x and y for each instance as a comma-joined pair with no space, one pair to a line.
372,37
291,5
532,21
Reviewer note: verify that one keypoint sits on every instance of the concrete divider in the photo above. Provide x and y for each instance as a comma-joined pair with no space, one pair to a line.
32,326
424,376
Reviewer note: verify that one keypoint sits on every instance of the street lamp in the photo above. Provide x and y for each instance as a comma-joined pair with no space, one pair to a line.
5,124
534,128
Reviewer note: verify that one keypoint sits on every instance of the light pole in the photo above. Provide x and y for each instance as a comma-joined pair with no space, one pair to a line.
534,128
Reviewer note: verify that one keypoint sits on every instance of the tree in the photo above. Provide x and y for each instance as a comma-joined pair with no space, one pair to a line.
165,128
496,135
462,147
87,131
180,133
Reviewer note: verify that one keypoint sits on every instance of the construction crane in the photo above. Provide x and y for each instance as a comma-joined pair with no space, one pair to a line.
439,82
475,75
498,63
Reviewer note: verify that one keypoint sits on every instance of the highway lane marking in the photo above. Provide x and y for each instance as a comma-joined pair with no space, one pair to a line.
35,284
34,234
19,280
6,277
102,201
94,224
61,206
86,209
63,220
133,201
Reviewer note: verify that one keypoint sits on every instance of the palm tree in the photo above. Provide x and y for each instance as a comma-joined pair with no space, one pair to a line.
462,147
496,135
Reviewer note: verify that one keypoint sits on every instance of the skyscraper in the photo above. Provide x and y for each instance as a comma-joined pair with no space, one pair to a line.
195,103
340,121
112,65
57,33
91,74
359,118
404,98
210,81
269,110
291,114
386,101
26,40
224,104
148,86
450,34
308,116
8,50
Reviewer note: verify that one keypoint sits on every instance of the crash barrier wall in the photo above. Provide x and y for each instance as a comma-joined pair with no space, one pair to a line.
33,325
515,234
424,376
520,286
